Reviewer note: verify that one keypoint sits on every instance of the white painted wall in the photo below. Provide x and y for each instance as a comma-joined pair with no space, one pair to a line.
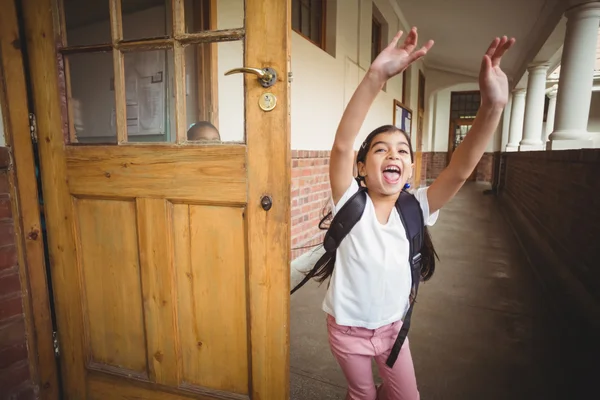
324,84
230,14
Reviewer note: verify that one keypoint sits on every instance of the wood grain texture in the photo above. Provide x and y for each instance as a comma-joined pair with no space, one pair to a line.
225,35
26,212
116,34
210,257
155,234
200,173
116,21
213,36
107,387
86,48
178,13
108,253
418,161
120,95
180,93
269,161
40,35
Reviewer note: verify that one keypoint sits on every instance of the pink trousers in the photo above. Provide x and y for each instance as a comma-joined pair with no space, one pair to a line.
354,348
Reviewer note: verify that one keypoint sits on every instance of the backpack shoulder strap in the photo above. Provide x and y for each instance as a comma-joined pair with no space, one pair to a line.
342,223
411,216
345,219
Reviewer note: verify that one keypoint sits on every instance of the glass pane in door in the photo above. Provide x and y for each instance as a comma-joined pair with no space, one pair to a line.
86,22
211,15
149,96
144,19
214,102
460,132
91,98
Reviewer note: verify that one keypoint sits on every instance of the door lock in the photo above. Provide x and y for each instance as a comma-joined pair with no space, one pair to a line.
267,101
266,203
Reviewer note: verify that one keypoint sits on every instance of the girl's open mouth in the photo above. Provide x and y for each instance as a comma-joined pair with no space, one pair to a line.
392,174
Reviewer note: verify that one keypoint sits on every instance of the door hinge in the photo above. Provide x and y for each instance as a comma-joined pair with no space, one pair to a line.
33,128
56,344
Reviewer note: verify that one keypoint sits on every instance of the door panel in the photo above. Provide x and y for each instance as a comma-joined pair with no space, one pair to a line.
202,173
210,273
171,281
111,283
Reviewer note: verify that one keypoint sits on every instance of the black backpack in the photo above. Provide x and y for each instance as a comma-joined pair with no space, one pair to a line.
411,216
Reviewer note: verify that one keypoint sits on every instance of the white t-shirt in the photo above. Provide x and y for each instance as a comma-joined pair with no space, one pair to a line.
371,281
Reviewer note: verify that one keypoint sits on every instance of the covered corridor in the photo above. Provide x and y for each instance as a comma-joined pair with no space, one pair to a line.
483,326
178,244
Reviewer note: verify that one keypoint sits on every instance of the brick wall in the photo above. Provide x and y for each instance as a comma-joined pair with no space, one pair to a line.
424,164
485,168
496,167
15,382
310,193
435,162
552,199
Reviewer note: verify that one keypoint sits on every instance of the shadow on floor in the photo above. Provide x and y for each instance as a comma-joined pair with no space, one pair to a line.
481,329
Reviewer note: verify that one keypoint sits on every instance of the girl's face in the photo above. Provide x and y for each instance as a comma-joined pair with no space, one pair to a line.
388,165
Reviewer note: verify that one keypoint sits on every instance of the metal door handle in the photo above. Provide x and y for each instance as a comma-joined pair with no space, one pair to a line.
266,76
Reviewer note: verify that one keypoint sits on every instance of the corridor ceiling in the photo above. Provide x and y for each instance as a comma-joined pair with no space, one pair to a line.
462,30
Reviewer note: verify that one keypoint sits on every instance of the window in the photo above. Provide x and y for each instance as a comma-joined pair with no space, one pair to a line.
464,105
308,19
463,109
138,71
376,34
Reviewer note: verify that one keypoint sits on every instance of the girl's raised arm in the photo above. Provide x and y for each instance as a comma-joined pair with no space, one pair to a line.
391,61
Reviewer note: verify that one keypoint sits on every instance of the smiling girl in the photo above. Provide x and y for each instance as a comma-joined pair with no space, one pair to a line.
370,286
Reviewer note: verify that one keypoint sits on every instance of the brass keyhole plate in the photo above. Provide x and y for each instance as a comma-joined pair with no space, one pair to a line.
267,101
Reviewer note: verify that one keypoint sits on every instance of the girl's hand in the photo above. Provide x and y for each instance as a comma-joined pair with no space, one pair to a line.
492,80
396,58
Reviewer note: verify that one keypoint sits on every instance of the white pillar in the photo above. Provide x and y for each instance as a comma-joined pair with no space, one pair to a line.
534,108
576,78
516,120
551,112
502,140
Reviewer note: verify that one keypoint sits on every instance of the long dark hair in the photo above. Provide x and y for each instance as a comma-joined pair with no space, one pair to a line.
428,253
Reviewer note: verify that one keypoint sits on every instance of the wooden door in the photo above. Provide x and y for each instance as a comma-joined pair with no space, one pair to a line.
419,141
458,130
169,257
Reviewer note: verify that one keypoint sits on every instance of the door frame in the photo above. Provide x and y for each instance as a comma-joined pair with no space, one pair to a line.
270,308
419,129
25,207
